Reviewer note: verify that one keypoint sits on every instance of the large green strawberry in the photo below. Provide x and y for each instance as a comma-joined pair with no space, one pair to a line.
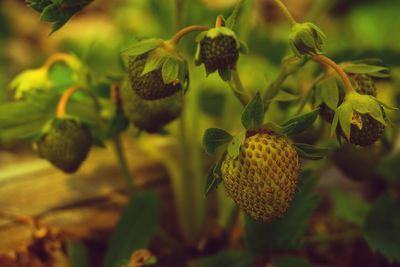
66,144
263,178
150,115
150,86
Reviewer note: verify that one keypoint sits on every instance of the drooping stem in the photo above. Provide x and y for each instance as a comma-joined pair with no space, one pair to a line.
63,102
56,57
325,61
286,12
178,36
123,165
238,88
218,22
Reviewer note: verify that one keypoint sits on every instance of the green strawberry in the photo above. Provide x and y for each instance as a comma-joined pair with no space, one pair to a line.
218,49
150,115
263,178
66,144
365,130
150,86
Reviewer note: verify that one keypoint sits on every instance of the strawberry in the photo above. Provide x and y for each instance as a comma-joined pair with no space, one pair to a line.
262,179
66,144
149,86
150,115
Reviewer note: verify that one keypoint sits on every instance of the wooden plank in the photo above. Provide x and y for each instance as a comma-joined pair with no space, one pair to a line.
83,204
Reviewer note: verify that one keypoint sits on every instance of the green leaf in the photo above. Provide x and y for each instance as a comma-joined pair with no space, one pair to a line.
389,167
228,258
51,13
214,138
311,152
349,207
142,47
299,123
382,228
291,261
170,70
231,21
235,144
372,70
329,92
136,227
77,254
253,114
214,176
154,61
284,96
285,232
225,74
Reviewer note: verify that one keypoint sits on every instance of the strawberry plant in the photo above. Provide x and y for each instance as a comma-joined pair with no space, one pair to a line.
277,149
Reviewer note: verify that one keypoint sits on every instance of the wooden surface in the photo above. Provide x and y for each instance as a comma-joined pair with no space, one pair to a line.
85,204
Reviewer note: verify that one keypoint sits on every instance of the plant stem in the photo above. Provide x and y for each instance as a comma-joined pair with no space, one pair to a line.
178,36
62,103
286,12
238,88
179,4
325,61
56,57
119,150
218,22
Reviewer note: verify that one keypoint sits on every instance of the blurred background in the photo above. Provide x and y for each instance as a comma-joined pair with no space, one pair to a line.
87,205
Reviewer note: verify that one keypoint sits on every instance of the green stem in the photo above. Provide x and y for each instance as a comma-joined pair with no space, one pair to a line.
285,72
286,12
238,88
119,150
179,4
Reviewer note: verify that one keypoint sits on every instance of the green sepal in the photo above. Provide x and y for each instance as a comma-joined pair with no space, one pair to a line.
197,60
329,91
235,144
225,74
311,152
154,61
170,70
343,117
142,47
200,36
253,114
299,123
214,177
243,48
214,138
366,104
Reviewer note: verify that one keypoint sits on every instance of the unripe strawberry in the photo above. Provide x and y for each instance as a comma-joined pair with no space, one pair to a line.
218,49
66,144
364,85
149,86
367,132
262,179
150,115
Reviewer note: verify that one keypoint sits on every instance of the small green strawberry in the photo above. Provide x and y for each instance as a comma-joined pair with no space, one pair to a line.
218,49
262,180
150,115
151,85
65,144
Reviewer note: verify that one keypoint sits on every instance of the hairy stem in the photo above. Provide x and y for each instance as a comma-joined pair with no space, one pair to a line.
286,12
123,165
325,61
178,36
63,102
